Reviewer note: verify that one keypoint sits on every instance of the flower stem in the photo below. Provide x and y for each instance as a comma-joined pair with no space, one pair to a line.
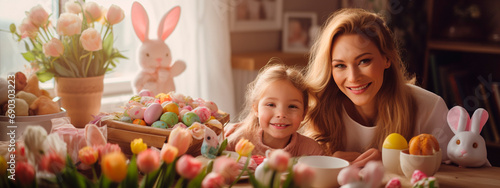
179,183
94,175
88,64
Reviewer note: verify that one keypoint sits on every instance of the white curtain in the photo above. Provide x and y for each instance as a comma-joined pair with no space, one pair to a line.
201,39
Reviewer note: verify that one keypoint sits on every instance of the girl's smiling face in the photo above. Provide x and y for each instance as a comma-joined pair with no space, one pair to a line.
280,110
358,68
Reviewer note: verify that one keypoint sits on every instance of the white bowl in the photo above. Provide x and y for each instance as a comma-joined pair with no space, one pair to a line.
325,169
23,121
428,164
390,159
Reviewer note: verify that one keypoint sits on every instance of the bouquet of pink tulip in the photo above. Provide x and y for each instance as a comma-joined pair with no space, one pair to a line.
74,47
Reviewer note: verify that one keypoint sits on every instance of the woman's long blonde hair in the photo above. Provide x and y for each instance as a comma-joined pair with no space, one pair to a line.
395,103
270,73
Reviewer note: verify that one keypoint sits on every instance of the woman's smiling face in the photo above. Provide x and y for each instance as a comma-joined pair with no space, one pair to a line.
358,68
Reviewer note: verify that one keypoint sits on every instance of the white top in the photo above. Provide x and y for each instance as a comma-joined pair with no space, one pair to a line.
431,119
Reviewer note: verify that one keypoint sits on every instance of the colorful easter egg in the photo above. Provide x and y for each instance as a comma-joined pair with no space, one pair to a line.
189,118
126,119
395,141
169,118
136,112
214,123
153,113
139,122
146,92
202,112
159,124
212,106
189,108
170,107
147,100
182,112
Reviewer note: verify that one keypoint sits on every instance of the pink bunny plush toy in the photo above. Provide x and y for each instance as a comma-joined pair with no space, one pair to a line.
467,148
154,55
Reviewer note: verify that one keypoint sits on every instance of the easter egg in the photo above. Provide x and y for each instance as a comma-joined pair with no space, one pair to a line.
395,141
170,107
189,118
424,144
188,108
212,106
136,112
214,123
139,122
169,118
146,92
153,113
159,124
126,119
202,112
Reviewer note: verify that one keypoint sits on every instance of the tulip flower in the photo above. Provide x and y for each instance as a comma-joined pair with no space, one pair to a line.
38,16
278,160
91,39
227,167
115,15
27,29
92,11
181,139
213,180
148,161
302,175
88,155
188,167
244,147
69,24
72,7
197,130
53,48
3,166
52,162
25,173
34,137
108,148
168,153
138,146
114,166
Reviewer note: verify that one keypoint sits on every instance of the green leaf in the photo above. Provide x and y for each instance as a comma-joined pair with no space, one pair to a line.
222,147
12,28
131,179
26,46
28,56
196,181
254,181
63,71
150,179
288,183
44,76
107,44
103,182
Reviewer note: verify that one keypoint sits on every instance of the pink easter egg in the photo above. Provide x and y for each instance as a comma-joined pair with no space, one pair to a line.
189,108
146,92
136,112
212,106
153,113
182,112
202,112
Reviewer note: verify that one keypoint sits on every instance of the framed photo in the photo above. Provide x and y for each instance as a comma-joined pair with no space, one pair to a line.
297,31
255,15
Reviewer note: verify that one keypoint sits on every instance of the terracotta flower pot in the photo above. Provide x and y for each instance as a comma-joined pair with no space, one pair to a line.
81,97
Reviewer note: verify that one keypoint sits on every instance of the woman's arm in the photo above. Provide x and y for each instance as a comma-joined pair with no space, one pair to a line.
347,155
371,154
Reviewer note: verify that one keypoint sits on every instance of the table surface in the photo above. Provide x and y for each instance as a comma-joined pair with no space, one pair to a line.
447,176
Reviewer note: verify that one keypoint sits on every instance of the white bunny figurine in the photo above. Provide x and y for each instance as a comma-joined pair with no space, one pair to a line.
154,56
467,148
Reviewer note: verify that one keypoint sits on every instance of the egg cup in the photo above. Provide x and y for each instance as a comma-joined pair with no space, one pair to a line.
428,164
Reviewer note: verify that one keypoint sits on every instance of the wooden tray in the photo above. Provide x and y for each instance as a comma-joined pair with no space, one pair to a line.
123,133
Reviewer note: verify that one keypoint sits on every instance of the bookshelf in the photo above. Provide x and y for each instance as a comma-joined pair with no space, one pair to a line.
462,60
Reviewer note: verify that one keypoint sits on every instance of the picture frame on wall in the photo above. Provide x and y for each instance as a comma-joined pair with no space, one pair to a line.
298,31
255,15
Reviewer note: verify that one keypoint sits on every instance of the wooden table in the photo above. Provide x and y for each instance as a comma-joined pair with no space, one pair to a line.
447,176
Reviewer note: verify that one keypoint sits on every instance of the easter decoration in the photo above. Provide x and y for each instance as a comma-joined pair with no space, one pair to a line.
154,56
368,177
424,154
210,145
391,148
467,148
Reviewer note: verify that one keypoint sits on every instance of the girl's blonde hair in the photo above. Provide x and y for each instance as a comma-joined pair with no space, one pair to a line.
268,75
395,103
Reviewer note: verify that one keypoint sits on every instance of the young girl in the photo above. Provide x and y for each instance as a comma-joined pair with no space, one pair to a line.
276,103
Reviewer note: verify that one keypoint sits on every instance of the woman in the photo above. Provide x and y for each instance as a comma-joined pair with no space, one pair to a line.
363,92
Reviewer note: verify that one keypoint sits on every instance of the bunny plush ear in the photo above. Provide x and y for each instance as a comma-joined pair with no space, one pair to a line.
140,21
168,23
478,120
458,119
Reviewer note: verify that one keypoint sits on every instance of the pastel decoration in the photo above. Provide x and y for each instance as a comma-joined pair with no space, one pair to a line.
146,92
203,113
170,107
182,112
139,122
154,56
188,108
136,112
126,119
159,124
467,148
94,136
393,183
147,100
153,113
212,106
189,118
210,145
169,118
214,123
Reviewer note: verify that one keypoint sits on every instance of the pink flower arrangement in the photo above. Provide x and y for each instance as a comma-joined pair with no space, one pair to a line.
74,47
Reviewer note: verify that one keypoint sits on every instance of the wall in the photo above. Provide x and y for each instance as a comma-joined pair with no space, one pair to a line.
271,40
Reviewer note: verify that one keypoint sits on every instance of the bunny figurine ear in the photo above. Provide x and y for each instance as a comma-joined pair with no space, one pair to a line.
168,23
140,21
478,120
458,119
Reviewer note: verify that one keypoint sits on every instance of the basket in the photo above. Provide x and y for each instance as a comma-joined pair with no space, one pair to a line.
123,133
